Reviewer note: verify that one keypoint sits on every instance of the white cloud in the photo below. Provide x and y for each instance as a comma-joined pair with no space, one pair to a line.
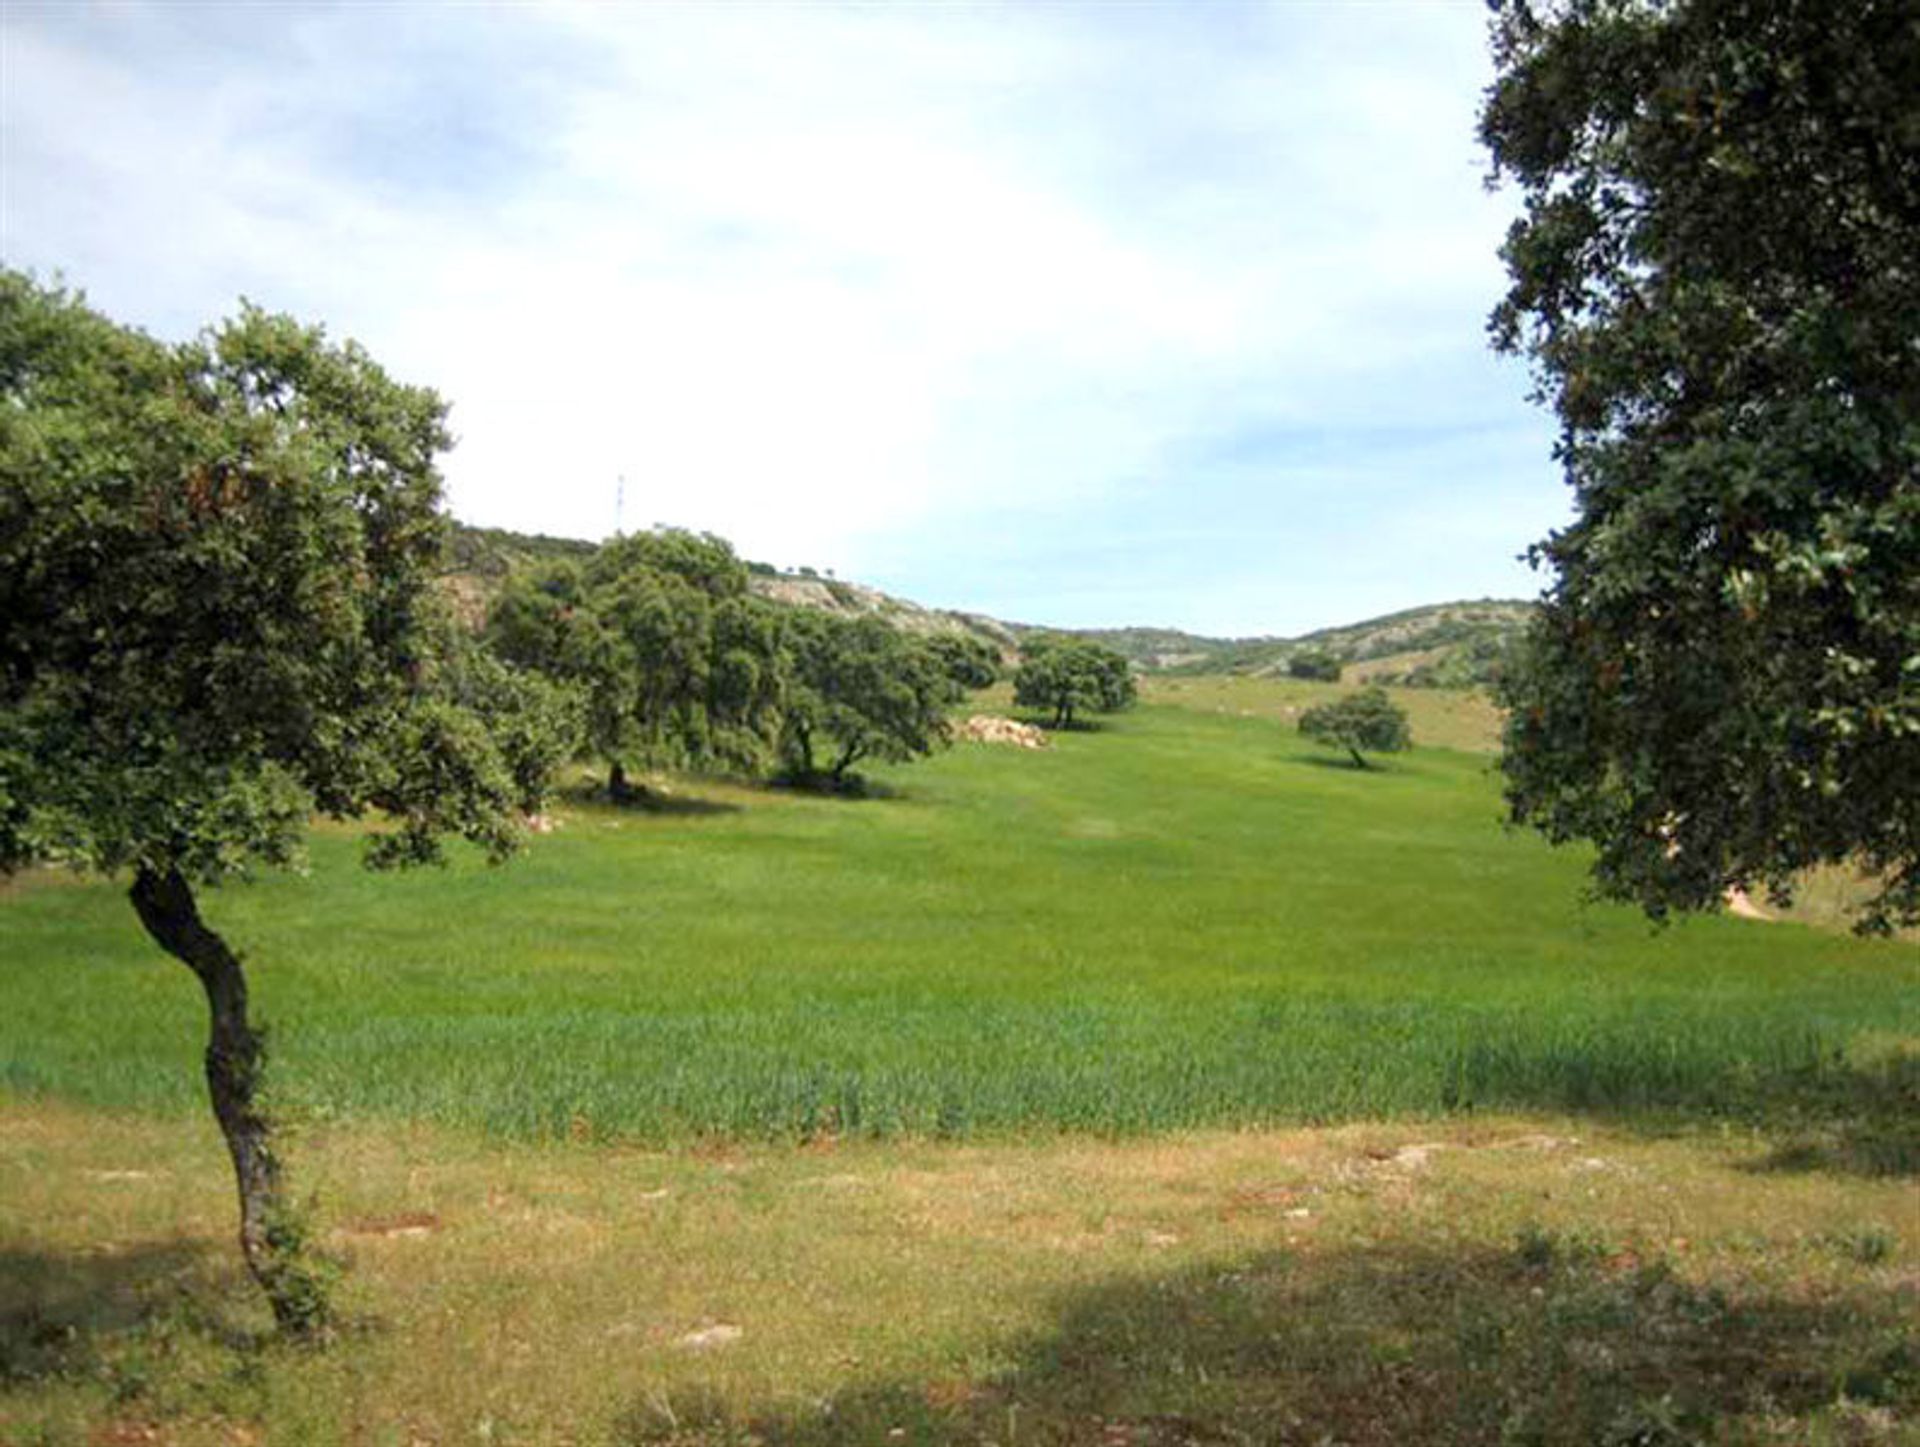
809,277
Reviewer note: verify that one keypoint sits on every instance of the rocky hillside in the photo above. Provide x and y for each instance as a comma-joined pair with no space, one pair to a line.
830,595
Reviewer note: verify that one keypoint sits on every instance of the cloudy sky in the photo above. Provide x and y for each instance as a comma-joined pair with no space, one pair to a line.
1089,313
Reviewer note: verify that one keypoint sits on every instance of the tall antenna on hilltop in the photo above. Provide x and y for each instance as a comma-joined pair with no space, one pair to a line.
619,503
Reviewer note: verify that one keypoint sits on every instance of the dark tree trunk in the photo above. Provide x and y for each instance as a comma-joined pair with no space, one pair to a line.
618,789
1358,762
843,763
164,901
804,765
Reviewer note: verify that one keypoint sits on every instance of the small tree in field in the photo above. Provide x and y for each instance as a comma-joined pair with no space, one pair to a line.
1069,677
1367,722
217,617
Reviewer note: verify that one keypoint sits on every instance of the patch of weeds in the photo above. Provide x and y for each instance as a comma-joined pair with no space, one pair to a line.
1540,1249
141,1334
1864,1245
681,1419
1887,1379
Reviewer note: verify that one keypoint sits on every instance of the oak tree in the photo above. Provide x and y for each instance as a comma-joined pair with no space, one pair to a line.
1714,276
1367,722
1069,676
217,617
858,688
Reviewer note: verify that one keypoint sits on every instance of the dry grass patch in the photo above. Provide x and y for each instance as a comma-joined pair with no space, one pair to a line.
1442,718
1528,1280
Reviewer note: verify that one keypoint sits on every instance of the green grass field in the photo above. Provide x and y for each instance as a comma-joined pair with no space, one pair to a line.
1187,918
650,1137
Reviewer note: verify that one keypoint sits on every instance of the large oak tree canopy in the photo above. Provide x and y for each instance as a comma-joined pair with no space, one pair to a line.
217,617
1717,278
676,660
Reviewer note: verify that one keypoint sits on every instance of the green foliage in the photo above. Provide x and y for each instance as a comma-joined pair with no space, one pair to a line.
217,616
1314,663
678,665
1474,663
216,612
1714,279
1068,676
1449,627
537,724
497,552
862,689
1363,722
966,658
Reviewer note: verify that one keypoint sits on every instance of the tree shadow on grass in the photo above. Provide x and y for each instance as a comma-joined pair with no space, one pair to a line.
1555,1340
1861,1120
72,1315
639,799
851,787
1824,1113
1044,722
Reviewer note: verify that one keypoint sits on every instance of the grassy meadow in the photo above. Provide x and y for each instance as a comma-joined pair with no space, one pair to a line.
1175,1083
1184,919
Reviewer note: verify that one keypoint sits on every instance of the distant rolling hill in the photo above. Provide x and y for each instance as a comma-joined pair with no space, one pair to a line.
1457,644
1440,645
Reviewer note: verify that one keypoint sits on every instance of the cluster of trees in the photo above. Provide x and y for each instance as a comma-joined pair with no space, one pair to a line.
679,666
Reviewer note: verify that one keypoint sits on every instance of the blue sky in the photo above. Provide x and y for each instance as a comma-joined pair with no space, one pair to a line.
1082,314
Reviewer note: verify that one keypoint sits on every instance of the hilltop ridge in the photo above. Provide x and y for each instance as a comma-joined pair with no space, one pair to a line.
1452,644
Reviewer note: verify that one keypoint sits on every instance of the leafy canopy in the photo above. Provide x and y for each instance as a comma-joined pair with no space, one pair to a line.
217,612
863,689
678,664
1367,722
1070,676
1714,277
969,660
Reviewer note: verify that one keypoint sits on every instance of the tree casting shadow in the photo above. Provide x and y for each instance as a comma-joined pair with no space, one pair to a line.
1826,1114
847,786
1044,722
67,1314
638,799
1849,1120
1554,1341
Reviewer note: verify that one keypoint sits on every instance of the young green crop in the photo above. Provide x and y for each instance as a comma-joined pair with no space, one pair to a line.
1183,919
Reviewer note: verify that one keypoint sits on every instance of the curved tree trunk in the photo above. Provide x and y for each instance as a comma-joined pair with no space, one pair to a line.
1358,762
164,901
